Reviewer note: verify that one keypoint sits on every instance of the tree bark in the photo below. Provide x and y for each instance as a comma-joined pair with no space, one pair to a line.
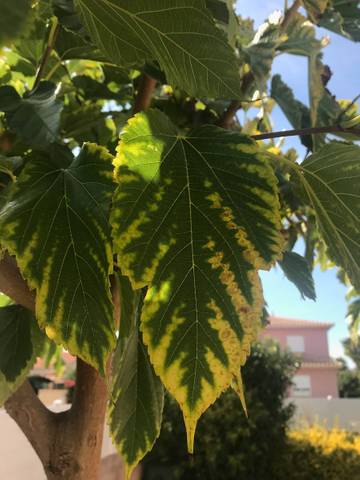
76,448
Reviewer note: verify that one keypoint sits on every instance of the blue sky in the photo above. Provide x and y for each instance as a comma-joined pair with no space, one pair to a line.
341,55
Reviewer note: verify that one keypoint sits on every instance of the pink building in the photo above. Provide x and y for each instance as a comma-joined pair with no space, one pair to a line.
317,376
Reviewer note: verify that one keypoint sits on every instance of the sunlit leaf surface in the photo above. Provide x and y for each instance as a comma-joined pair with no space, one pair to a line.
56,223
194,218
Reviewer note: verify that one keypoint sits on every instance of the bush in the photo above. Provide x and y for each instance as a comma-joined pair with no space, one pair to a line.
228,445
318,454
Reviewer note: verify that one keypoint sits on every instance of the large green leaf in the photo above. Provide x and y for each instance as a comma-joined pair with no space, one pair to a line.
12,18
330,182
21,342
70,46
297,270
36,117
181,35
56,223
137,399
194,218
342,17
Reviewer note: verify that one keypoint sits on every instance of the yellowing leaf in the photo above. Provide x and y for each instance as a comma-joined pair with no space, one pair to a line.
194,218
137,397
56,223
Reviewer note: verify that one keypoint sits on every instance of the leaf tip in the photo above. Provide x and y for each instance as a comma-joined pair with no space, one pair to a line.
190,425
238,387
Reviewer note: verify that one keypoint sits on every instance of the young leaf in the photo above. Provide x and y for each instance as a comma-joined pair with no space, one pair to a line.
194,218
35,117
21,341
329,178
56,223
301,37
180,35
296,112
137,399
260,53
298,272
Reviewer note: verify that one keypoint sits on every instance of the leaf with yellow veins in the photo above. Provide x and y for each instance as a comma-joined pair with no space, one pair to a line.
137,397
194,218
56,224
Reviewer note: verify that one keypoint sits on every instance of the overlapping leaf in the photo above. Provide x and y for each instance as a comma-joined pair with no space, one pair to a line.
137,396
56,223
36,116
315,8
181,35
260,52
194,218
18,328
12,18
301,37
330,179
225,16
296,269
21,341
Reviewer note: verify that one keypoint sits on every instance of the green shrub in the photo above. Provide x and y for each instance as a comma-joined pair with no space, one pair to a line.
228,445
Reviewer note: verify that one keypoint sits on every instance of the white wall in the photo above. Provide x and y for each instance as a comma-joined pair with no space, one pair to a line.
339,412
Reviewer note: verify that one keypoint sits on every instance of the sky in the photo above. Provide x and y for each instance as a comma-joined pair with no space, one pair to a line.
341,55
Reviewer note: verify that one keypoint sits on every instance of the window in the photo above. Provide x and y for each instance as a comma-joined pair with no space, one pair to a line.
296,343
301,386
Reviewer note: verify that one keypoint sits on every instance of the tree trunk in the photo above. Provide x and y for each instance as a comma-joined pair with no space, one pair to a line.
68,443
76,448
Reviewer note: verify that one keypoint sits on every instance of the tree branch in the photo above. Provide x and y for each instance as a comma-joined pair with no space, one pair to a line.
144,94
35,420
13,284
227,119
54,30
306,131
289,14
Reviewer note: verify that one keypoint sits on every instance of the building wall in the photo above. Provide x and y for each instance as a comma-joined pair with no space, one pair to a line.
315,339
323,381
